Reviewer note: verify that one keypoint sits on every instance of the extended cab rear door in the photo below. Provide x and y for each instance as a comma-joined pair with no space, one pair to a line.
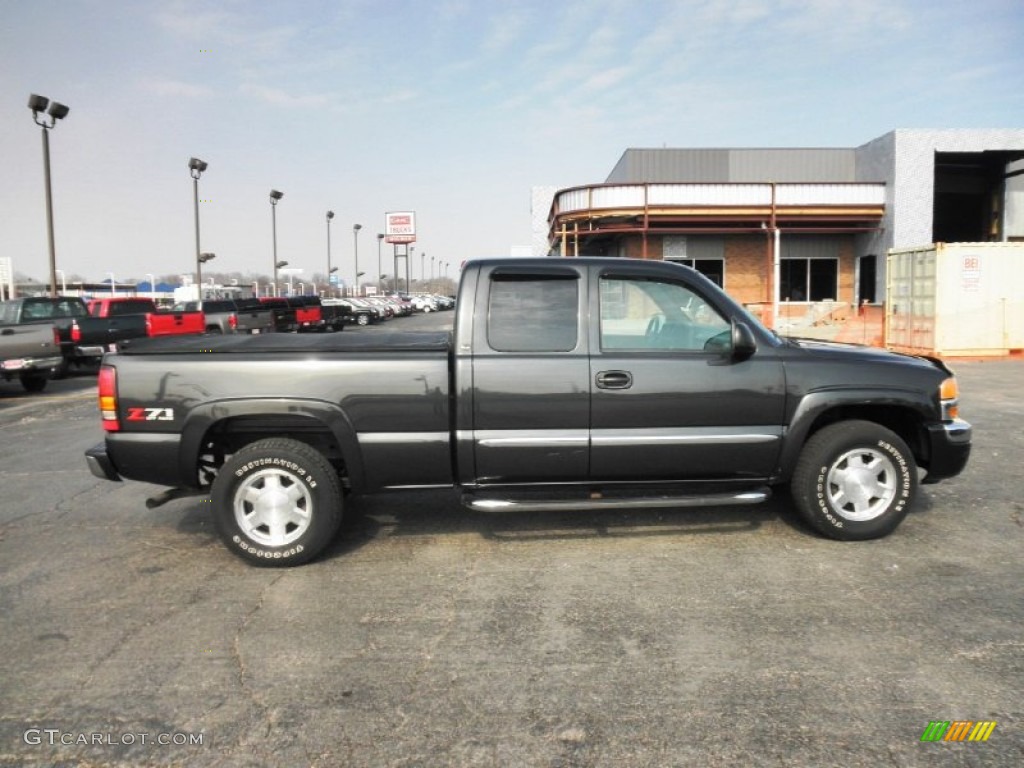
530,374
668,402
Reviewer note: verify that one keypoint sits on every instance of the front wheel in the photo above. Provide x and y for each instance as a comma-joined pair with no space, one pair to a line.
855,480
363,320
277,502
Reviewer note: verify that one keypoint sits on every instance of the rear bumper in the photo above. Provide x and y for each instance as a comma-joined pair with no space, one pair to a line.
950,447
99,463
147,457
31,364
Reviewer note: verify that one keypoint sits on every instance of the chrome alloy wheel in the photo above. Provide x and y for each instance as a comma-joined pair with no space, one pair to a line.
272,507
861,484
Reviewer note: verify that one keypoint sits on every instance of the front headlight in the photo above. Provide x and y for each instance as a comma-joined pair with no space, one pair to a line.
949,397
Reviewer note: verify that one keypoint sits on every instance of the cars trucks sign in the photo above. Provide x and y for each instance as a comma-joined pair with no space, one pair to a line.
400,227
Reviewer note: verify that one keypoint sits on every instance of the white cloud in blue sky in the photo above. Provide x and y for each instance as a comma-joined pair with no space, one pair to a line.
453,109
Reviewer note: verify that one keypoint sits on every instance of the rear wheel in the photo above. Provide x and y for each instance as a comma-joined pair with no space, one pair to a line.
277,502
855,480
363,320
33,382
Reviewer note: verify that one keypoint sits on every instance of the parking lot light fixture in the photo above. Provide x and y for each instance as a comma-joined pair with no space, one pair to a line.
202,259
275,196
54,111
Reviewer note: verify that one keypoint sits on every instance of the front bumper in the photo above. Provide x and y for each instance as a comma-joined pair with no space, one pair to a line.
949,449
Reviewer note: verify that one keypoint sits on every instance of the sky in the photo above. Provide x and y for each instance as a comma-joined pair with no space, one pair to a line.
453,109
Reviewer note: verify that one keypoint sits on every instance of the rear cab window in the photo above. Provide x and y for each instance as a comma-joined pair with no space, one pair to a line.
533,312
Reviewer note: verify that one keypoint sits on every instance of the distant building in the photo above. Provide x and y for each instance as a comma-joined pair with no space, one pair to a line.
830,214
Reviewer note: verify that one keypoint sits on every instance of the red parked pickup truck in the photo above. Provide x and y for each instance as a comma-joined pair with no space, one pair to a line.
157,323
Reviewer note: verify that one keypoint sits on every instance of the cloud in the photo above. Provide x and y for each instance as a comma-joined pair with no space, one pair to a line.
222,30
167,87
281,98
605,79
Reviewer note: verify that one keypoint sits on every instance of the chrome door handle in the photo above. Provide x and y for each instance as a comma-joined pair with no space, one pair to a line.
614,380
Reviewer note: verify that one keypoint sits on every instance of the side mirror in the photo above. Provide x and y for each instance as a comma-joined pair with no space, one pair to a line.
744,345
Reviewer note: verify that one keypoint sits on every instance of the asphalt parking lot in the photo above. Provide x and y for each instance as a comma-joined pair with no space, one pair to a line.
433,636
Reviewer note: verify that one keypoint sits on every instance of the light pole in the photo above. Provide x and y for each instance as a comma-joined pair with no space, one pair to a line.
274,197
55,112
152,286
431,269
333,270
355,235
195,169
63,282
113,288
380,275
330,215
423,268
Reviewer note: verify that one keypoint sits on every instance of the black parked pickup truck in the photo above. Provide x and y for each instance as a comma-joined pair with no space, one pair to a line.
565,384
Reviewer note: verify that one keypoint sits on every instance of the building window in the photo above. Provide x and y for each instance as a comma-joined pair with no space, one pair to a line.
712,269
809,279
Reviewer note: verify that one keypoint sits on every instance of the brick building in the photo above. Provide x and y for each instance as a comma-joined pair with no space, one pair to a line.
800,226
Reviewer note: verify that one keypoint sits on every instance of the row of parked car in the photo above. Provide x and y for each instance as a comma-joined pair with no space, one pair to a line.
374,309
42,337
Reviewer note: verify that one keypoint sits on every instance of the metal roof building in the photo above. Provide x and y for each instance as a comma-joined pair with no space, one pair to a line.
796,225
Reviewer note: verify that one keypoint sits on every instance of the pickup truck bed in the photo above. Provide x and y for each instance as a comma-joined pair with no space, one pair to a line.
407,371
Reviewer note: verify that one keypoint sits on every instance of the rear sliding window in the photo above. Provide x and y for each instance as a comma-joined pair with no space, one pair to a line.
129,308
531,313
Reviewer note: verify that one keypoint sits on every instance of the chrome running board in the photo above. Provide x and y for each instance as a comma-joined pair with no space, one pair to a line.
614,502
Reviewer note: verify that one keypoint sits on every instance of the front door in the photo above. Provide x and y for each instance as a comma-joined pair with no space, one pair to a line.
668,402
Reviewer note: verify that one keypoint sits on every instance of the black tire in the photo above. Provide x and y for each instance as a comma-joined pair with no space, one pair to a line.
300,493
855,480
34,382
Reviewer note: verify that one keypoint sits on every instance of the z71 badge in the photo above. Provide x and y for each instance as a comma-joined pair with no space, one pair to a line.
150,414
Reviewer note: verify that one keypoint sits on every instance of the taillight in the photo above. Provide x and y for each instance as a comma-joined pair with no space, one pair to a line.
56,337
149,325
233,321
107,386
76,332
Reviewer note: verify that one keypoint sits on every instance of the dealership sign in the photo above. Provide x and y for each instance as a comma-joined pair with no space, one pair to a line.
400,227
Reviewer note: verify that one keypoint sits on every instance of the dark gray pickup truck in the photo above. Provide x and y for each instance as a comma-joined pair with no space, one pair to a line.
30,352
565,384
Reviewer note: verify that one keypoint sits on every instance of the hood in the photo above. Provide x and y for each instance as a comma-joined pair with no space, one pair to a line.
854,352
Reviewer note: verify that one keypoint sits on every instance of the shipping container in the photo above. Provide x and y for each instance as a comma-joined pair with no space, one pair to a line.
956,299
